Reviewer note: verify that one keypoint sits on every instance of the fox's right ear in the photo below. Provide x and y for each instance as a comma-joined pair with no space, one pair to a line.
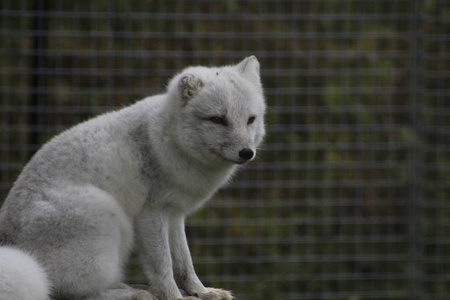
189,85
249,68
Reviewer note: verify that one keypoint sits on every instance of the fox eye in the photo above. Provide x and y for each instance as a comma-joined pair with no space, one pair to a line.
251,120
218,120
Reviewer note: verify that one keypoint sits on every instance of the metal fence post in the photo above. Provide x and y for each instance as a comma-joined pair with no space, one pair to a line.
38,77
416,155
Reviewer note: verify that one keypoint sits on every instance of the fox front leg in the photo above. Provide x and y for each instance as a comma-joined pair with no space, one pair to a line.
183,268
153,239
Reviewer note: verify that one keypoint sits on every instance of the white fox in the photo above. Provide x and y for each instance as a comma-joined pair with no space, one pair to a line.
131,177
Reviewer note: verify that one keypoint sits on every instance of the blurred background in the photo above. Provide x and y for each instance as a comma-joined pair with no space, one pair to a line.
349,199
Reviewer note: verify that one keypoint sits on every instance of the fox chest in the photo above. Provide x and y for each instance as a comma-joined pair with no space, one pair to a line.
183,194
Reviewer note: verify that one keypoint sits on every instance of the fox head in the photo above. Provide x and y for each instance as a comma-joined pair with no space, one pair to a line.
218,113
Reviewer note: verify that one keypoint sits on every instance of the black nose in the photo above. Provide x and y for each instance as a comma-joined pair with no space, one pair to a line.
246,153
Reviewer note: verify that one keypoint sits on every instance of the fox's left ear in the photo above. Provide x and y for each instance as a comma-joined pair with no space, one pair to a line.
249,68
189,85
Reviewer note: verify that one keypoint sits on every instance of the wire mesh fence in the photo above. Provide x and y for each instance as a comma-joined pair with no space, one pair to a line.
349,198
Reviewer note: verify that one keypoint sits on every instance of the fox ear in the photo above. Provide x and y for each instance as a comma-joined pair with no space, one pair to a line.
249,67
189,85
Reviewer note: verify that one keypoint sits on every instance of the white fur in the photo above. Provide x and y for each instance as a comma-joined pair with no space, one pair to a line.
21,278
139,171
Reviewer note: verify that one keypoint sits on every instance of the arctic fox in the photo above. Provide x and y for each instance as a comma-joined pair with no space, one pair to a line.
131,177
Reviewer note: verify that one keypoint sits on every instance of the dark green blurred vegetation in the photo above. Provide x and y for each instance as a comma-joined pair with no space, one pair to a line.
349,198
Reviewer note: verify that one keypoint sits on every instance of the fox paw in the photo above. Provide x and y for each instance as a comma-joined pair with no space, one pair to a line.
215,294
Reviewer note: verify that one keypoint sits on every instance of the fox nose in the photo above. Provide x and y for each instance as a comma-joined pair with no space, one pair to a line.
246,153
